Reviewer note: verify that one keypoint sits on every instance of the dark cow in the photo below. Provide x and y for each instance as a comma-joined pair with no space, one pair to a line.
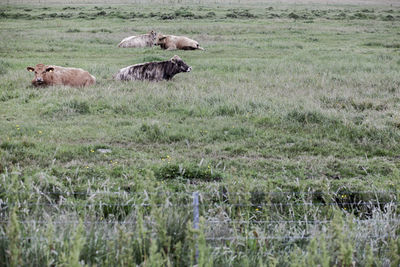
153,71
55,75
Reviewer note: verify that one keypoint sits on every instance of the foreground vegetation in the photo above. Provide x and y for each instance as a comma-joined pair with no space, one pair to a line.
288,126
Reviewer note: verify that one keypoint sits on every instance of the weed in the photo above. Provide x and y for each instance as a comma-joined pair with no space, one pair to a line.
210,14
388,18
187,172
166,16
293,16
73,30
237,13
14,235
184,13
101,30
4,66
309,117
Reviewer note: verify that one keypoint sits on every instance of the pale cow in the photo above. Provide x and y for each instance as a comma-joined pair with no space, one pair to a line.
172,42
144,40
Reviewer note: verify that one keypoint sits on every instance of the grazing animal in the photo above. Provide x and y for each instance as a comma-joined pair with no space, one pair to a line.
144,40
153,71
55,75
172,42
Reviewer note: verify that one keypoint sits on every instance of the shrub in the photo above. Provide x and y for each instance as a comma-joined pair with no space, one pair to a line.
236,13
293,15
73,30
189,172
210,14
167,16
184,13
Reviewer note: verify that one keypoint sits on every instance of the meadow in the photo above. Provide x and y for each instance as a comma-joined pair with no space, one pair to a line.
287,126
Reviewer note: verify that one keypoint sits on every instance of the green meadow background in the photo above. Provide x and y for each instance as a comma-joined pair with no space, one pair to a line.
296,104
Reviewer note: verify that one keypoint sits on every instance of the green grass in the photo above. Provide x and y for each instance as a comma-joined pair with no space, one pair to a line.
284,98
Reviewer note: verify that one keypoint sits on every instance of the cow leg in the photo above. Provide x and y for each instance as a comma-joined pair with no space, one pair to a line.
87,82
172,47
188,48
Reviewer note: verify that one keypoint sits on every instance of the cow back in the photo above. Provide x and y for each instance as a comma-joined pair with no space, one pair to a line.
152,71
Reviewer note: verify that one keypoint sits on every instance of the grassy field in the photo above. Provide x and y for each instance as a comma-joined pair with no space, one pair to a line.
299,99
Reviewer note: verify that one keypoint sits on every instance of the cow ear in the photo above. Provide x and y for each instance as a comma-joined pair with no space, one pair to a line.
175,58
30,69
49,69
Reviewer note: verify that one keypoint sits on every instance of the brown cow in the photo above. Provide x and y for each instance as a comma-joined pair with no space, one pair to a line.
144,40
172,42
153,71
55,75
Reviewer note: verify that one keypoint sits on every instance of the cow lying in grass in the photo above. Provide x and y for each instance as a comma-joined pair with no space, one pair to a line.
172,42
153,71
144,40
55,75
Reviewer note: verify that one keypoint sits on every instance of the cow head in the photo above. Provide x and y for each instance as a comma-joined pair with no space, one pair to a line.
161,39
153,37
41,71
183,67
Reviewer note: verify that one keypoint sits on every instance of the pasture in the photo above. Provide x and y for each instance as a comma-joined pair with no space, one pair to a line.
288,126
